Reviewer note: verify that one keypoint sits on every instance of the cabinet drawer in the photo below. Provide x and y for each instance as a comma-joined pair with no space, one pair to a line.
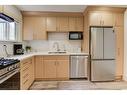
55,57
25,62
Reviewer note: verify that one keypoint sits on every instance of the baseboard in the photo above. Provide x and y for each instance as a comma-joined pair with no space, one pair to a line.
50,79
119,78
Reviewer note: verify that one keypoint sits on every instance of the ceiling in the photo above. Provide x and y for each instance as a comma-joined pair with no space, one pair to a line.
53,8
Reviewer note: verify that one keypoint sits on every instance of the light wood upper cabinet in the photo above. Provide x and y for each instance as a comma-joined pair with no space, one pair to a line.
51,24
28,28
118,19
57,24
40,28
119,50
75,23
100,19
50,69
62,24
79,23
39,65
95,18
62,68
107,19
72,23
34,28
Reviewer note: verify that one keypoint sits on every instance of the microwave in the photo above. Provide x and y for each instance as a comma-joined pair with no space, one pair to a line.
75,35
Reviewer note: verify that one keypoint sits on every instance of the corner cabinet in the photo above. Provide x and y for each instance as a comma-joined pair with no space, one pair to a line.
34,28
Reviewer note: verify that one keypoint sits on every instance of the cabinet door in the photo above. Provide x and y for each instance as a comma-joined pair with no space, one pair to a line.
95,18
49,69
79,23
107,19
118,19
39,67
119,50
62,24
28,28
40,28
51,23
63,69
31,71
72,23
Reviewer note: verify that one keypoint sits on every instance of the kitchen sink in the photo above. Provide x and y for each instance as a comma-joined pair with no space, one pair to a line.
56,52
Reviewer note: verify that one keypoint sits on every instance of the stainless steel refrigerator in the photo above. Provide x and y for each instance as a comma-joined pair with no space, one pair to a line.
102,54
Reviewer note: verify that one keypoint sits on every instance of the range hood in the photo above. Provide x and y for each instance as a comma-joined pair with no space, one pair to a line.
5,17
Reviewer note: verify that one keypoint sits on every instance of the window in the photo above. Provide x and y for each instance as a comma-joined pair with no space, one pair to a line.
3,31
8,30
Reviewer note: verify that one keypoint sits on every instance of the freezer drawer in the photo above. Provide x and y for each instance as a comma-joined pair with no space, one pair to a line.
78,68
103,70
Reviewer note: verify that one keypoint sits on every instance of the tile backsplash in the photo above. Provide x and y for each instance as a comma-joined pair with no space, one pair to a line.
46,45
61,39
9,48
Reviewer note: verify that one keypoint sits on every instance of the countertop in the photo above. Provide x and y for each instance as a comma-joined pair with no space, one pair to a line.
27,55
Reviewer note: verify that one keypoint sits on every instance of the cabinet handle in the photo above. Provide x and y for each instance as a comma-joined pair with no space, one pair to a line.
57,63
100,22
118,51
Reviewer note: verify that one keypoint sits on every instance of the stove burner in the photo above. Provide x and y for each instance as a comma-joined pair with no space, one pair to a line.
7,62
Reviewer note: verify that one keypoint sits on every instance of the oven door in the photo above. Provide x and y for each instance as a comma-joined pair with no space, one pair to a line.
75,35
10,81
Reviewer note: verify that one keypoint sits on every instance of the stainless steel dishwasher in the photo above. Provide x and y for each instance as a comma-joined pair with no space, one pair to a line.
78,66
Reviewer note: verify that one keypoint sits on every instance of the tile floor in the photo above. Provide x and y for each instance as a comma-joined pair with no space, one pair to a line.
78,85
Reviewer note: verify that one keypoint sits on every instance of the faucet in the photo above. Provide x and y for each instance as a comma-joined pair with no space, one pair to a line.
57,44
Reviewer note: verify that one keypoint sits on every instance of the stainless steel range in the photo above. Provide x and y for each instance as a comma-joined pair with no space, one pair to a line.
8,69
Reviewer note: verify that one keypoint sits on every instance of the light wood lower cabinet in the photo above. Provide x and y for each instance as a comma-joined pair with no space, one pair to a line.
63,69
56,67
26,73
52,67
39,71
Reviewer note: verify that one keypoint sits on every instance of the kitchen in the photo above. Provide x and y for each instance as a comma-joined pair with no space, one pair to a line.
67,44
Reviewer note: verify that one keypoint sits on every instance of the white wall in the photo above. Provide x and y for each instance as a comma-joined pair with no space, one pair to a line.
125,46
